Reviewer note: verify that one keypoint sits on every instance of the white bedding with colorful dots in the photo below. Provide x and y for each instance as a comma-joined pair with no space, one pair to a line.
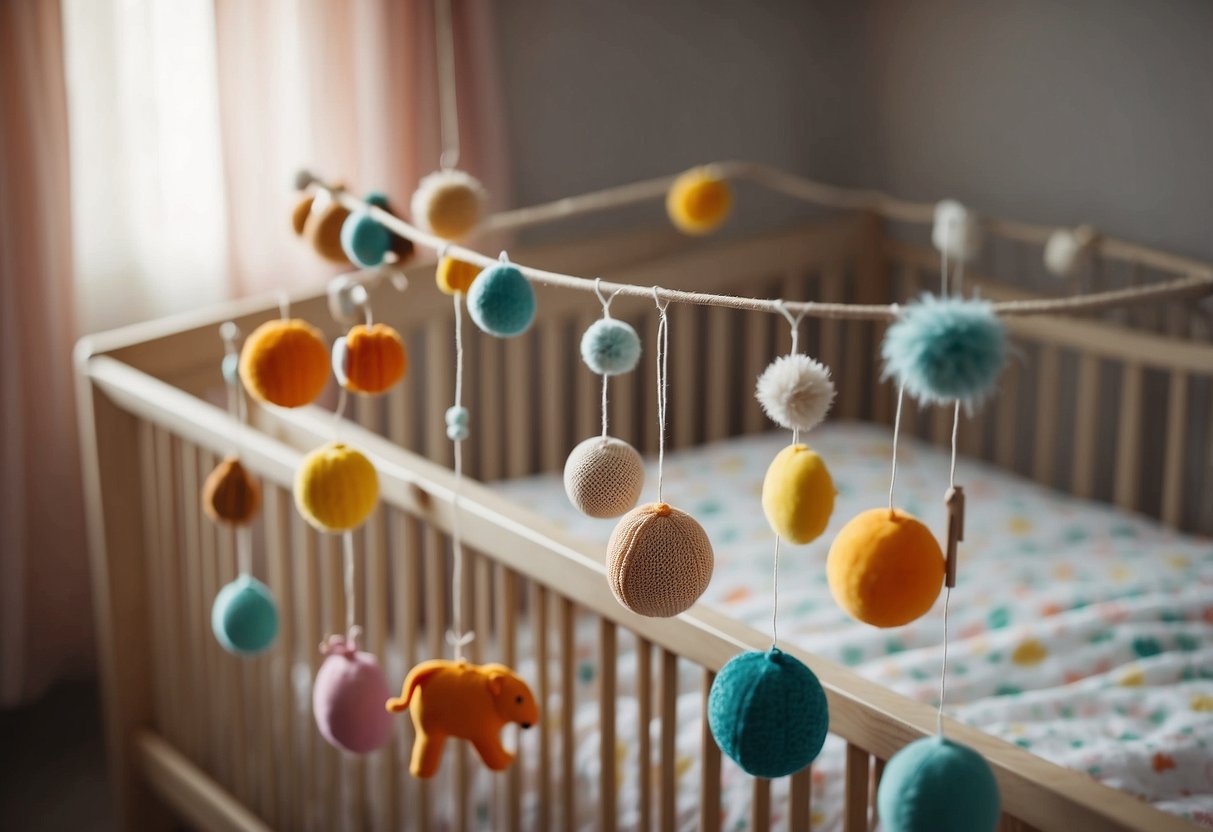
1079,632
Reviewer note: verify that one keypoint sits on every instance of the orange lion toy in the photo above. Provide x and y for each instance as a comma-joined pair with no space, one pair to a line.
469,701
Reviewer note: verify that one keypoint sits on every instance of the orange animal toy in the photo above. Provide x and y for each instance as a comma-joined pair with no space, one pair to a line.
469,701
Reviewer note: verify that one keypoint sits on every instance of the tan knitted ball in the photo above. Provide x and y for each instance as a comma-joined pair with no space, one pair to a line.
603,476
659,560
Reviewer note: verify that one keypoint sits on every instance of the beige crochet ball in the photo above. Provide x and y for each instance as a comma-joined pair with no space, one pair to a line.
603,477
659,560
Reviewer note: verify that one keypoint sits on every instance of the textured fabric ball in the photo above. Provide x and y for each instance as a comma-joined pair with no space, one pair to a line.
300,213
458,433
946,349
957,231
348,697
1066,248
936,785
699,201
457,415
455,276
373,359
885,568
230,494
448,203
336,488
501,301
798,494
364,241
659,560
244,616
322,228
795,391
768,713
603,476
285,362
610,347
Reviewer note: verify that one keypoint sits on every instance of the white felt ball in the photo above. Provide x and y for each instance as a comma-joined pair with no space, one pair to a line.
603,477
796,392
957,231
448,203
610,347
1065,249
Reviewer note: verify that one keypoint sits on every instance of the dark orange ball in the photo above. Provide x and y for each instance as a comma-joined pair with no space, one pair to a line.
230,494
285,362
375,358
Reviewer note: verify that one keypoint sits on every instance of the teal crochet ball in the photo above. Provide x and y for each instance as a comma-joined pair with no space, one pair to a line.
936,785
364,241
944,349
501,301
244,616
610,347
768,713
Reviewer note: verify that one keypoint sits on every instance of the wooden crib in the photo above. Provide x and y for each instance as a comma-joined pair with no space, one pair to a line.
220,743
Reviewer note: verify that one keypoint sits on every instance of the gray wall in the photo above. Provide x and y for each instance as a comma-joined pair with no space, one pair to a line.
1089,110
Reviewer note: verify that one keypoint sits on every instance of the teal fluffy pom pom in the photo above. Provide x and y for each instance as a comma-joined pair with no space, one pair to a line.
364,241
501,301
946,349
244,616
936,785
610,347
768,713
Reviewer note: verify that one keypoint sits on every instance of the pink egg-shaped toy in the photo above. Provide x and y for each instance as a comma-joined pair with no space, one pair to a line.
348,697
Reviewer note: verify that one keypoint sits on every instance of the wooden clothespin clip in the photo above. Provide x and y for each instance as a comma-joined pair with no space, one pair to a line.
955,501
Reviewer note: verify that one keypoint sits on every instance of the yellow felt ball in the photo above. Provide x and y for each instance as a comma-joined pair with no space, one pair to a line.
699,201
455,276
885,568
336,488
798,494
285,362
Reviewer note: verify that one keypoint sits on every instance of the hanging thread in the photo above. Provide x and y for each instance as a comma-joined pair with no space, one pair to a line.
606,314
663,350
901,390
457,637
448,102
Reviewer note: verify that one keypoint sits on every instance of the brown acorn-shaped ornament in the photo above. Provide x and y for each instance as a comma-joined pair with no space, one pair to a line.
230,494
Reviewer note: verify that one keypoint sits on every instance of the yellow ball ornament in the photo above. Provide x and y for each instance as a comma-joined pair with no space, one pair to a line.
455,276
885,568
336,488
699,201
798,494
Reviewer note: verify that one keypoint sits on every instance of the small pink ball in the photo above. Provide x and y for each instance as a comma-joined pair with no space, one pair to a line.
348,699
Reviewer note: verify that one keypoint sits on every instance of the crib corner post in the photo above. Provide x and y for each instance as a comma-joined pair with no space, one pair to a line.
117,560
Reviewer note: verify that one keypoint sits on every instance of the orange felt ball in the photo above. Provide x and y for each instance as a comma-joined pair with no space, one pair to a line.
230,494
322,228
285,362
375,358
885,568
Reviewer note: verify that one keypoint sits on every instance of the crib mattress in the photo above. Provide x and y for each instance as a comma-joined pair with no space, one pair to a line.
1078,632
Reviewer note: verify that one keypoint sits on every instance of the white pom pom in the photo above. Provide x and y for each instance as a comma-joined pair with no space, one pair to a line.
1066,248
448,203
957,231
796,391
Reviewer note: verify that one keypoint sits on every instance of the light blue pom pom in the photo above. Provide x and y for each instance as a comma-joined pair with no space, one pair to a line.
378,199
501,301
768,713
231,368
457,433
364,241
457,416
936,785
946,349
244,616
610,347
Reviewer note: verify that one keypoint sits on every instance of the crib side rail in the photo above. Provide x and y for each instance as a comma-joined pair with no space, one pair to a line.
163,428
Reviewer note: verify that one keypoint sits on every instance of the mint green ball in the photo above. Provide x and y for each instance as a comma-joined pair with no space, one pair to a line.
244,616
936,785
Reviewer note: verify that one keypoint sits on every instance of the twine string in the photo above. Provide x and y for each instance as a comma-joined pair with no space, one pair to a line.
947,596
457,637
663,350
605,300
901,391
448,103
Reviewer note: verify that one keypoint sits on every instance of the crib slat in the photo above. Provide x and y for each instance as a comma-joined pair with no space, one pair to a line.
335,781
408,611
587,392
800,795
278,551
606,724
151,533
709,784
439,387
1006,436
855,813
311,632
507,609
539,622
877,774
488,424
648,366
644,718
568,670
191,520
757,356
830,350
519,426
552,354
684,397
669,733
1173,464
624,405
720,389
760,810
169,558
435,592
1047,381
216,750
1086,422
1128,439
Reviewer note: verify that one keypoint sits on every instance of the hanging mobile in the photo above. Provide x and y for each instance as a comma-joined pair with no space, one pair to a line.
244,616
659,559
603,476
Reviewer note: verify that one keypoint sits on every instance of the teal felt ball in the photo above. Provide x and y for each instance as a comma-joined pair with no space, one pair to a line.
936,785
944,349
378,199
610,347
244,616
501,301
768,713
364,241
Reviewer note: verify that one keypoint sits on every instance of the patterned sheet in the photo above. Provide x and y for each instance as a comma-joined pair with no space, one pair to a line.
1078,632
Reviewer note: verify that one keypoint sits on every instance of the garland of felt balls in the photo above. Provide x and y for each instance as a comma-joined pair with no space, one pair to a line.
244,616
